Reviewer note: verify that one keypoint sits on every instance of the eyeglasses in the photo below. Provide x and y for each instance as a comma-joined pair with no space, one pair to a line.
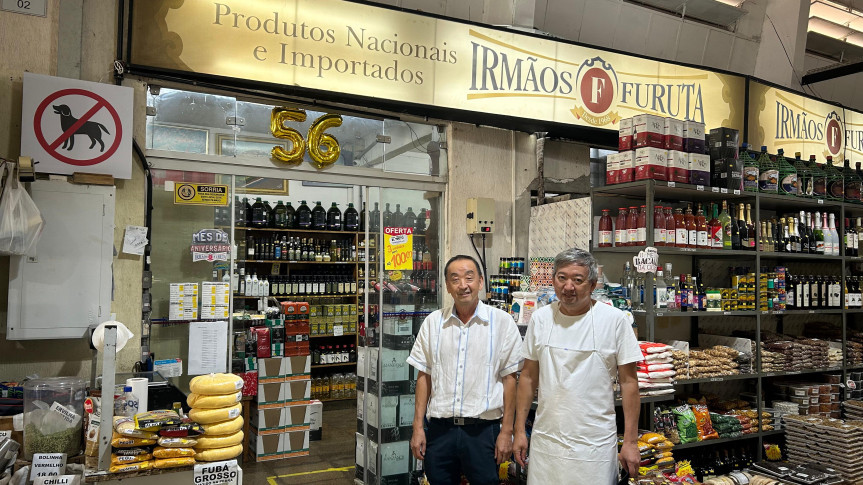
455,280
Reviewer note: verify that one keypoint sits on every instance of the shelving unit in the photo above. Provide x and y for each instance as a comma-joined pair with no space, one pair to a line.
651,193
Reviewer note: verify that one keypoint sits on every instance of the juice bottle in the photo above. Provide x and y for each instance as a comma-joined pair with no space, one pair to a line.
659,232
680,234
621,238
691,231
670,236
632,226
641,228
701,229
606,229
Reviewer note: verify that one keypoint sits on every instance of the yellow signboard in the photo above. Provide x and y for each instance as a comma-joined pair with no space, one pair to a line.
200,194
398,248
374,52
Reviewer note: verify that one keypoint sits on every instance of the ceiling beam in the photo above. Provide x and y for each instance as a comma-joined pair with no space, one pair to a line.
831,72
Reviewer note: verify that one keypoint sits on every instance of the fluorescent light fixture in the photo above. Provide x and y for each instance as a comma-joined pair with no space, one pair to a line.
828,28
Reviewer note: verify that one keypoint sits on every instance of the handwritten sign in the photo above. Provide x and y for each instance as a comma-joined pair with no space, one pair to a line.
398,248
646,260
58,480
48,465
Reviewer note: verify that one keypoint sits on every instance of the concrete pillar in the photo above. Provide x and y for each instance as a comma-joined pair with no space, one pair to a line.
783,42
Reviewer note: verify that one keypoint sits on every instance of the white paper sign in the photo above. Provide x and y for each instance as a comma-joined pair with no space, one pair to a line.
208,347
71,126
47,465
59,480
338,330
5,435
69,415
135,240
183,303
646,260
218,473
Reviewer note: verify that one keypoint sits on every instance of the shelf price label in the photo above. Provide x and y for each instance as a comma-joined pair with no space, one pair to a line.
398,248
717,379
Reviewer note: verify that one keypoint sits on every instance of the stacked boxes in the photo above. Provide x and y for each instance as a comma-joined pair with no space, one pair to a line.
281,414
325,318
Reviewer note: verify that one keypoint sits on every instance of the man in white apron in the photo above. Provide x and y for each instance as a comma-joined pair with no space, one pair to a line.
467,355
573,350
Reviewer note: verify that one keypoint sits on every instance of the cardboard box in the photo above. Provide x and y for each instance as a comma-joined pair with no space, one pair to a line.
394,458
267,420
360,456
298,390
649,131
361,362
624,135
626,167
612,168
373,357
251,364
699,169
262,339
271,394
673,134
724,143
297,415
394,366
407,406
277,350
270,370
678,166
650,163
360,404
316,420
266,447
693,137
295,441
298,364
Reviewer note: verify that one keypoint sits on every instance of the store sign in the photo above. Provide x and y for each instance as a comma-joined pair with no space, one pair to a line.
218,473
47,465
646,260
361,50
398,248
58,480
210,245
796,123
200,194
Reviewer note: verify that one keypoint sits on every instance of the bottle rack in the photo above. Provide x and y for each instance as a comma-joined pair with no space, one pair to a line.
651,193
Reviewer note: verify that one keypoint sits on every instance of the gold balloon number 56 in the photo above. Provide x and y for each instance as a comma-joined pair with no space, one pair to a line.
323,148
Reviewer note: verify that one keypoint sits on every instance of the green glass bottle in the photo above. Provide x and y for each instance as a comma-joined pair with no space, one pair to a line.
835,182
804,177
819,179
750,169
787,175
768,177
852,183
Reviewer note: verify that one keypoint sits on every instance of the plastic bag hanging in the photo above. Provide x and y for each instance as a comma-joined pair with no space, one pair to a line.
21,221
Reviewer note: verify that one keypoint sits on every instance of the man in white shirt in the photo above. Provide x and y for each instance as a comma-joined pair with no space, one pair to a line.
573,350
467,356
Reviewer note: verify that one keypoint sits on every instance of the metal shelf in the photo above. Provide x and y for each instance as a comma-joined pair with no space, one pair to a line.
800,372
698,444
669,251
333,336
701,380
293,262
297,231
698,314
676,191
775,202
823,311
340,364
799,256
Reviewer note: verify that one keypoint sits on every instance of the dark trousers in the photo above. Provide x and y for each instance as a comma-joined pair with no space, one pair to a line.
453,450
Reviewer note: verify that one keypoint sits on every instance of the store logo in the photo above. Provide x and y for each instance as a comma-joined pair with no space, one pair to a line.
596,83
834,133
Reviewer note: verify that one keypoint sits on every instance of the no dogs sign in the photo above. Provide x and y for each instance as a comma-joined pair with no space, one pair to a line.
76,126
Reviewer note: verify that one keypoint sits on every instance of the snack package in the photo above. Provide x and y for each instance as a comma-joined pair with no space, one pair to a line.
125,426
703,423
652,438
155,420
144,465
120,441
173,462
131,451
177,442
161,452
184,430
686,427
129,459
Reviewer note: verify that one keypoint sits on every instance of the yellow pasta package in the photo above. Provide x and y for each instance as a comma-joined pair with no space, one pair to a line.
134,467
173,462
162,452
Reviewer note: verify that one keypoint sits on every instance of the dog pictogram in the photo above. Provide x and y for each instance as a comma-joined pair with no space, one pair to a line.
91,129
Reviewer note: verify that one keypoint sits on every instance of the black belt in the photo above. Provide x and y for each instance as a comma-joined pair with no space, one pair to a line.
463,421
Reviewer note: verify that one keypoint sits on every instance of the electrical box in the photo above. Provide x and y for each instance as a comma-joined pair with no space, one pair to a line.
480,216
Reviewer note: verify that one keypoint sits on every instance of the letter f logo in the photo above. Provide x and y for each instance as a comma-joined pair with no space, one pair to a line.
597,84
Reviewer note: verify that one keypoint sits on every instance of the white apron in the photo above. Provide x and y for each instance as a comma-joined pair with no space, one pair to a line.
574,440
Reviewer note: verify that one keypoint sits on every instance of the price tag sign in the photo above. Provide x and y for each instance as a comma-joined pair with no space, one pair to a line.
672,184
714,189
646,260
59,480
699,187
218,473
398,248
338,330
48,465
821,201
716,379
723,190
736,192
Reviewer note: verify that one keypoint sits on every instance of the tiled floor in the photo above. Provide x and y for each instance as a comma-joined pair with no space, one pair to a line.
335,451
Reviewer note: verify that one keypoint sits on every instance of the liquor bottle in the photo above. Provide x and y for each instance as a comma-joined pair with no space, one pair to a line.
847,238
334,218
659,233
239,212
810,221
375,219
701,229
627,281
681,236
277,250
660,291
670,230
769,241
670,289
725,221
271,218
605,230
792,234
641,227
319,217
804,233
259,214
735,231
804,177
410,219
762,240
691,230
280,219
768,176
398,219
240,286
750,228
859,173
852,183
388,216
621,238
787,175
715,229
743,229
834,235
750,170
835,183
819,235
304,216
682,295
819,179
250,247
786,238
853,242
859,230
791,292
798,238
351,218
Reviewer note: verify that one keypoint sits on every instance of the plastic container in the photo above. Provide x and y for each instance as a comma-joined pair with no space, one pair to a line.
53,412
